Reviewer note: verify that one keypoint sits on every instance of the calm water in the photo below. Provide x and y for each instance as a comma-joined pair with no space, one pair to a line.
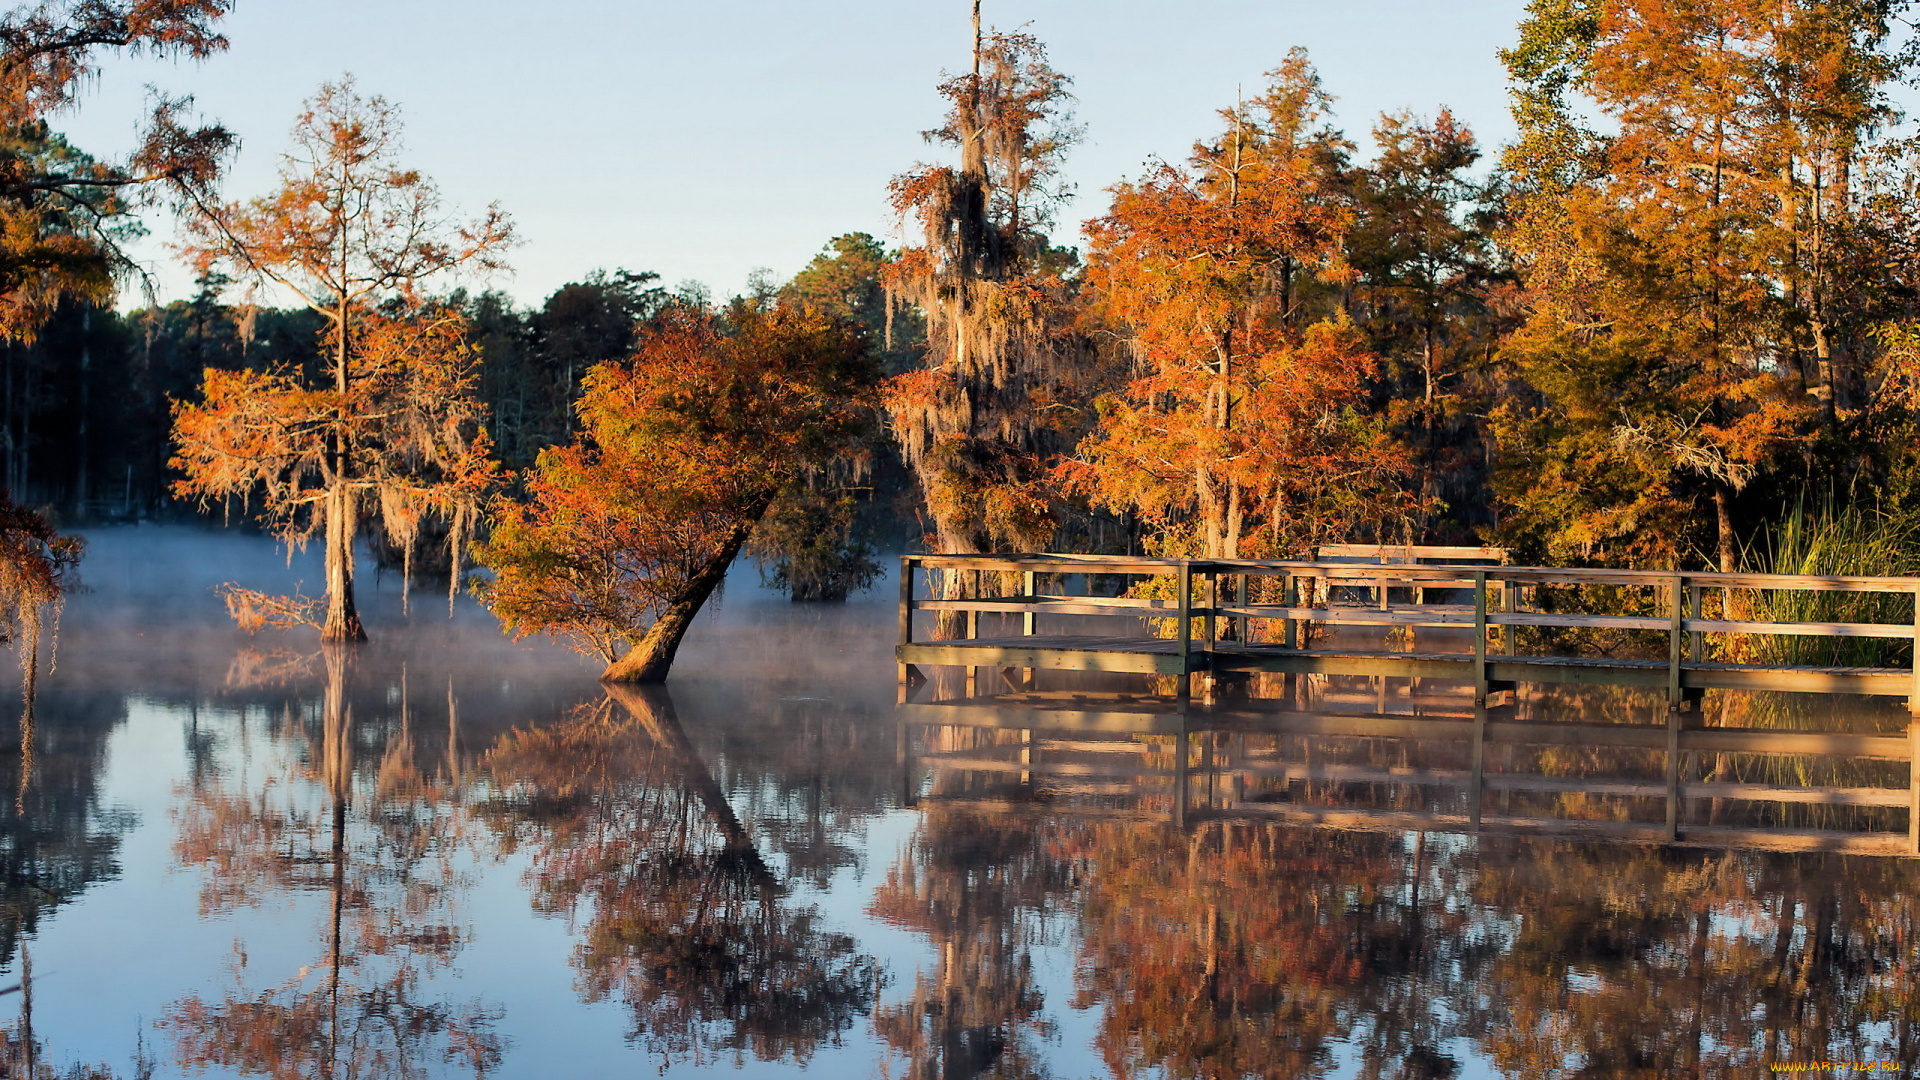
458,856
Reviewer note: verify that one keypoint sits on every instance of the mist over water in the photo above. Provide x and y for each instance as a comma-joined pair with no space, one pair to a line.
454,854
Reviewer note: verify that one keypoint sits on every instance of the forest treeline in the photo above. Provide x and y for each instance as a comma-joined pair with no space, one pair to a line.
1672,319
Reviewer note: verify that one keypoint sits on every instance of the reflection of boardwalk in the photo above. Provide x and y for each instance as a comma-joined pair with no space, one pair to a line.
1140,757
1471,634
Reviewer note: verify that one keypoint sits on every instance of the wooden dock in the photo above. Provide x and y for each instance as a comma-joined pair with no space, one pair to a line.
1215,621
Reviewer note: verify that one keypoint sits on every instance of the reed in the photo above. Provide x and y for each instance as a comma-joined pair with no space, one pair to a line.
1850,541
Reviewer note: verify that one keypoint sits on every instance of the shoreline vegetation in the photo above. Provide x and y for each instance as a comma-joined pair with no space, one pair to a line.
1671,325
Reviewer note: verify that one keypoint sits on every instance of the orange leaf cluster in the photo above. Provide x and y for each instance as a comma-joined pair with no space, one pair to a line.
682,448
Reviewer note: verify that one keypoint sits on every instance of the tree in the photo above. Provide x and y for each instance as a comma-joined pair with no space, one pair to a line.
975,420
398,431
1425,271
348,230
60,210
38,567
681,448
1238,421
1687,323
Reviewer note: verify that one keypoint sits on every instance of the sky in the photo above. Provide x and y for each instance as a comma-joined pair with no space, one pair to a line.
703,141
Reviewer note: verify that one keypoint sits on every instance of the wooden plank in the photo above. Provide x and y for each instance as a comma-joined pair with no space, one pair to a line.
1802,629
1460,778
1880,844
957,654
1407,552
1715,837
1826,744
1108,564
1076,720
1427,615
1049,768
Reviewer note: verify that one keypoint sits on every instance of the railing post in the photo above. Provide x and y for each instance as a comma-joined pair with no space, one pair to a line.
1213,601
1183,686
906,614
1241,624
973,631
1698,642
1913,699
1028,621
1675,640
1913,785
1475,784
1509,632
1480,634
1290,597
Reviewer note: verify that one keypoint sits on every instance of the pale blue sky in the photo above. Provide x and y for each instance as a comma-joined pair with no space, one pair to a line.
705,140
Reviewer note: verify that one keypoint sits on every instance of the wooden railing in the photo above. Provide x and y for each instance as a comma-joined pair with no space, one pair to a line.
1218,616
1211,606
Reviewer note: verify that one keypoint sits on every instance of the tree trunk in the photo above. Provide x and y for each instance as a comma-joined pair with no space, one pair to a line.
1723,516
343,619
649,659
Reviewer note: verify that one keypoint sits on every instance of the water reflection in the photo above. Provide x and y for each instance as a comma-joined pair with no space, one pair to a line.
379,841
684,922
460,858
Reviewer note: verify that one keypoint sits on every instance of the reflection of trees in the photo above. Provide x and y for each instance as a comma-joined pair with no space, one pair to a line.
1627,961
808,771
1243,950
55,838
1246,950
388,876
684,921
977,886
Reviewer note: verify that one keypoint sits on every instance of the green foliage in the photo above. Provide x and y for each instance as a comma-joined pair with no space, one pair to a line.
815,546
1846,540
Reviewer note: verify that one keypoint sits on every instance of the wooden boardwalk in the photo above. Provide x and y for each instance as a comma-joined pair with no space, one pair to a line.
1215,622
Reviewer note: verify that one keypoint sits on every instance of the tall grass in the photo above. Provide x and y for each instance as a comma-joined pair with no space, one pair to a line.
1851,541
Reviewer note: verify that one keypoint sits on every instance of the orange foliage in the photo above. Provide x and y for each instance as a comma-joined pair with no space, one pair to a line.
402,438
1240,421
682,448
37,567
61,211
390,425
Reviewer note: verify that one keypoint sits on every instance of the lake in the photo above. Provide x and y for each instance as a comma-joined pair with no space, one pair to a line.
450,854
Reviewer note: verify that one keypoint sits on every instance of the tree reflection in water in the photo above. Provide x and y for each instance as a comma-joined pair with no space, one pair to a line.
55,841
978,886
684,922
1249,949
389,873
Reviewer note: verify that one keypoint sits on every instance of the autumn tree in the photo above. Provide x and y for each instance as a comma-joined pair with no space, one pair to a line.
1685,256
819,540
977,419
682,447
61,210
38,567
388,429
1242,428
